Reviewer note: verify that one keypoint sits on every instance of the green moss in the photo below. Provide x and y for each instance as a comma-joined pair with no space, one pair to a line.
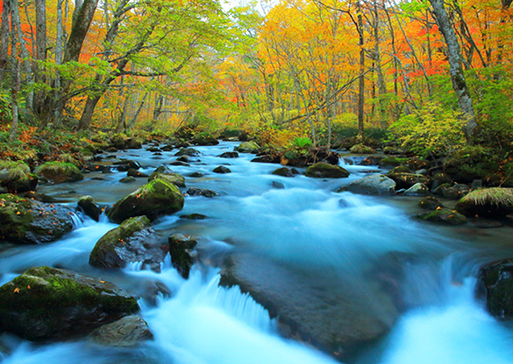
392,161
173,178
444,215
325,170
362,149
60,172
489,202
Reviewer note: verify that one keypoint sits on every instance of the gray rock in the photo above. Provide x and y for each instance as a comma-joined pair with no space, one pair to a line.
90,207
130,331
418,189
377,184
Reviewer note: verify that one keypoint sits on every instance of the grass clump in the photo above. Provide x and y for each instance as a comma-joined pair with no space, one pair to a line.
487,202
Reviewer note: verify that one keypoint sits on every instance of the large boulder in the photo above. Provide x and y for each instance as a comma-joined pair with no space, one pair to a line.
323,309
487,202
285,172
191,152
47,303
181,250
130,331
497,288
376,184
131,242
362,149
325,170
155,198
16,177
28,221
248,147
59,172
222,170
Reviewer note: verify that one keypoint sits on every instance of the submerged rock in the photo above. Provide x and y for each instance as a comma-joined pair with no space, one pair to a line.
327,312
325,170
131,242
376,184
181,250
90,207
192,191
59,172
47,303
130,331
222,170
28,221
156,198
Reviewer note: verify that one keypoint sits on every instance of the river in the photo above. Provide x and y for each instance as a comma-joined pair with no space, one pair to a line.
317,251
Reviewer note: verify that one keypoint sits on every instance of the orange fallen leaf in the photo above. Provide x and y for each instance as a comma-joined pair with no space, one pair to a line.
16,290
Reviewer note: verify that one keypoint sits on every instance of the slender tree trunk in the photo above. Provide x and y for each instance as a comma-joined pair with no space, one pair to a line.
459,83
15,89
4,39
40,50
139,109
361,81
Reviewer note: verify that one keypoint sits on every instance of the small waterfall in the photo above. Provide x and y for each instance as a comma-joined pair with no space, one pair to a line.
77,221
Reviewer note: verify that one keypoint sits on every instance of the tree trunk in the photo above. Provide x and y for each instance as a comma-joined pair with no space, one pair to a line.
40,50
361,81
459,83
82,18
4,39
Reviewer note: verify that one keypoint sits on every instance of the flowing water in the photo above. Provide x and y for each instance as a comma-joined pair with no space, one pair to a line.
302,240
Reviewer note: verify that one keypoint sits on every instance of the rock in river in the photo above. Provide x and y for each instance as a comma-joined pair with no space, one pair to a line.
325,170
129,331
29,221
376,184
131,242
155,198
47,303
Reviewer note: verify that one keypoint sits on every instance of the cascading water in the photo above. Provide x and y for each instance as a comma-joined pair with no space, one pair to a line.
319,252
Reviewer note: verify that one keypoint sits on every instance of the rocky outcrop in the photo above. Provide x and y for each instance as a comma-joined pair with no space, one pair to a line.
27,221
325,170
130,331
376,184
131,242
47,303
181,250
59,172
156,198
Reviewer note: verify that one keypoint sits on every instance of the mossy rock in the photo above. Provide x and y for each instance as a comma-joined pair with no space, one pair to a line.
487,202
440,179
445,216
400,169
131,242
59,172
376,184
181,251
204,140
27,221
89,207
392,161
407,180
418,189
248,147
155,198
325,170
430,203
177,179
496,281
132,172
451,192
16,177
193,191
393,150
47,303
362,149
285,172
127,179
